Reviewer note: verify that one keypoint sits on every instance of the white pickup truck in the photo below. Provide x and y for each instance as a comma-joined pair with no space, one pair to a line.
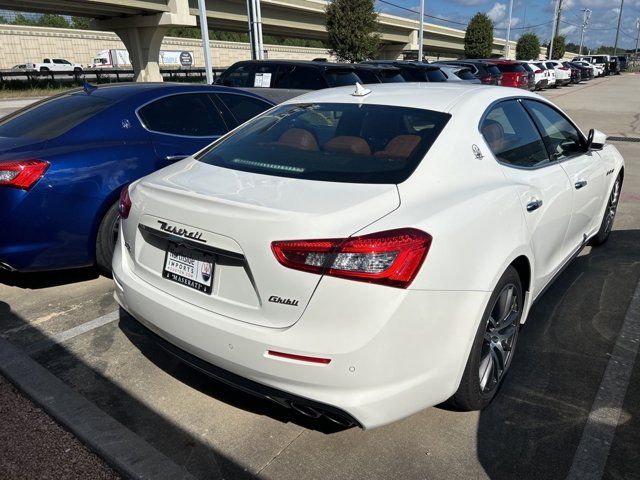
54,65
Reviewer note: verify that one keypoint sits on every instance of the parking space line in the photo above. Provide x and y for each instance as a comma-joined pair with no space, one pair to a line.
71,333
592,453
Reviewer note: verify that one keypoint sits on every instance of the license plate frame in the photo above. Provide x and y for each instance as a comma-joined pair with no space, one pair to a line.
188,266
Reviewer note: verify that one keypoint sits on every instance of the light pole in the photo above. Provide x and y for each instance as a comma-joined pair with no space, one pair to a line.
637,36
585,24
556,14
421,32
204,30
615,47
506,45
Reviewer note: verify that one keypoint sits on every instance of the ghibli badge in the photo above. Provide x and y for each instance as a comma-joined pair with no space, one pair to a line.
283,301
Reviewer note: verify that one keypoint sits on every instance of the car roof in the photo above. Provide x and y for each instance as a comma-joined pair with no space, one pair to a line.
311,63
401,64
438,96
128,90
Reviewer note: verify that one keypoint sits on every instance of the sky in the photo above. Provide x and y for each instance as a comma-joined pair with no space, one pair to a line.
532,15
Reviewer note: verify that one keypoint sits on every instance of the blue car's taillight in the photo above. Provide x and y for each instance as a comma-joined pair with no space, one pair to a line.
22,174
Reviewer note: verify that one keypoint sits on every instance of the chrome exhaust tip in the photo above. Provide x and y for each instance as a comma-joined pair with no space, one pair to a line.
306,410
6,267
338,419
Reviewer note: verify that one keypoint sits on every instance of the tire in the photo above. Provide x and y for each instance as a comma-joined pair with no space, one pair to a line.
489,360
107,237
77,71
609,214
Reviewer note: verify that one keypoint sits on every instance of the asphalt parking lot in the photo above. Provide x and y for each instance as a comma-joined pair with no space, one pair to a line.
570,407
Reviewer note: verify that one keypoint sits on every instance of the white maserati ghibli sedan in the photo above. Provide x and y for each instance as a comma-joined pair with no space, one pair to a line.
361,255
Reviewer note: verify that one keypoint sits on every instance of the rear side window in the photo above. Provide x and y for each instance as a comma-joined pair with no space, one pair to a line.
340,78
243,107
188,115
436,76
331,142
53,117
465,74
513,137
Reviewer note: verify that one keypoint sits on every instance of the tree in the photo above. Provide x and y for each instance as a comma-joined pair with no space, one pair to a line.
558,47
3,20
52,20
22,20
528,47
605,50
478,39
351,26
81,23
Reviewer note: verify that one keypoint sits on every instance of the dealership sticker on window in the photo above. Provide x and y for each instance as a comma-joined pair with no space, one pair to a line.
262,80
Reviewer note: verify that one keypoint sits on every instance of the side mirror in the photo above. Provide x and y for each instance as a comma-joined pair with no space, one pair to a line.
596,140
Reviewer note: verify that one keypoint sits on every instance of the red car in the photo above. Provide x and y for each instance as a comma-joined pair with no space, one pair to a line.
513,73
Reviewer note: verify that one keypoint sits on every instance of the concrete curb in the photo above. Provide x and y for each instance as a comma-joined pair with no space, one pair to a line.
123,450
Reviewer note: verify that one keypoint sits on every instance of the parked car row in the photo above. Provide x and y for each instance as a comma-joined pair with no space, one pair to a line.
314,75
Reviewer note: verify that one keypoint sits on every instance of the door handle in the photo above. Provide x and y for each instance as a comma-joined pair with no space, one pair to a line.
175,158
534,205
579,184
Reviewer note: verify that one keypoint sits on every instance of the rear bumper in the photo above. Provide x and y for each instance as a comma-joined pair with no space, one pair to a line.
542,84
282,398
393,352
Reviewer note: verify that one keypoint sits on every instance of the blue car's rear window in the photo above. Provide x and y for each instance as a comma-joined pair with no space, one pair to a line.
331,142
51,118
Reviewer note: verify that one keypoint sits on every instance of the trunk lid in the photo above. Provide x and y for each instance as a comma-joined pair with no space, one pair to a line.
235,216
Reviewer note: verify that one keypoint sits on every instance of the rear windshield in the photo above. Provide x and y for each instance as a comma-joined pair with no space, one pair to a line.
510,67
331,142
53,117
341,78
527,67
493,70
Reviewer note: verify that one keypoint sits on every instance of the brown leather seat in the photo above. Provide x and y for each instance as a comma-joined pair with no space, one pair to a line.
494,135
298,138
348,144
400,147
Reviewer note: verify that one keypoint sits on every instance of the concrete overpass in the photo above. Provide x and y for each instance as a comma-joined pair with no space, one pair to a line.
141,24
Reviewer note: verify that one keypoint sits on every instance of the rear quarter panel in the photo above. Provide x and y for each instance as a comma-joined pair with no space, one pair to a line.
466,204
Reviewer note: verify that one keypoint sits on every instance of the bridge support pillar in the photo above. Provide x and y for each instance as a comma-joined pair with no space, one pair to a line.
143,34
143,45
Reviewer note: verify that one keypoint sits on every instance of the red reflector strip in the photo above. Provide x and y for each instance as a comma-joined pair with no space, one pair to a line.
302,358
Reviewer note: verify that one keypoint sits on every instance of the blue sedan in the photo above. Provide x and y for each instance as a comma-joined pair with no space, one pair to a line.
64,161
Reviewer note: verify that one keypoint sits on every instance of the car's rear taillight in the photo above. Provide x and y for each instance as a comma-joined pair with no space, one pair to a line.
125,202
22,174
564,68
392,257
538,72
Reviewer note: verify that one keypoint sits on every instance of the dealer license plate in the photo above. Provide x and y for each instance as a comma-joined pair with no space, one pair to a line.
189,267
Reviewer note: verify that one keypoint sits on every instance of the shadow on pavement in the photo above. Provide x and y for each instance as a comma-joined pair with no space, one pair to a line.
533,427
37,280
214,388
166,436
